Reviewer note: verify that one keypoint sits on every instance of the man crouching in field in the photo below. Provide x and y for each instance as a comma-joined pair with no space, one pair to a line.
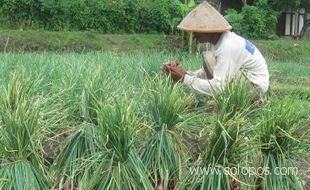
232,56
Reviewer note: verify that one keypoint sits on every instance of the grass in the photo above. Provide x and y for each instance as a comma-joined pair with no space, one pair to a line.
114,122
283,49
15,40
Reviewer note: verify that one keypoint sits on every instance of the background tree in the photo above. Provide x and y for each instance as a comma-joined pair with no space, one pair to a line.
281,5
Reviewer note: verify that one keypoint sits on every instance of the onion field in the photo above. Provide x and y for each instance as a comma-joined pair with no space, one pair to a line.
113,121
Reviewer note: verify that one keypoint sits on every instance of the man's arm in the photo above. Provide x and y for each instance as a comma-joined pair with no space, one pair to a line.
225,69
199,73
202,86
206,72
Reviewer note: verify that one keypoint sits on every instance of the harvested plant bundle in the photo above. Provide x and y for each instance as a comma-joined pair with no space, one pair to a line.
116,164
226,138
281,136
164,152
21,162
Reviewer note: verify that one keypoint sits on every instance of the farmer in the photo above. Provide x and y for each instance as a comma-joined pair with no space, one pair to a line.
232,56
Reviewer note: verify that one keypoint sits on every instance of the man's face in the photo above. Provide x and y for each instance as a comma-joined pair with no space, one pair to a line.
202,37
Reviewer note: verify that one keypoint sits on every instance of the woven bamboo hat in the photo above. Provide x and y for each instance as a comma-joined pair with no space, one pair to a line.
204,19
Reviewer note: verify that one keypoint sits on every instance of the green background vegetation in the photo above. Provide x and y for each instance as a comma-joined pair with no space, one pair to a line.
117,16
254,20
283,49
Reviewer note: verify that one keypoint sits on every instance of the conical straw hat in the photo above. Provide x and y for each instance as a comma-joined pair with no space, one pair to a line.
204,19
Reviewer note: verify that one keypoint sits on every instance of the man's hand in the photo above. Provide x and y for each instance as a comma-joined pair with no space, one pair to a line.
167,65
173,69
177,73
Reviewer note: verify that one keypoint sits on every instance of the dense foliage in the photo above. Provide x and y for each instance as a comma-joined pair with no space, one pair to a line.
118,16
282,5
256,22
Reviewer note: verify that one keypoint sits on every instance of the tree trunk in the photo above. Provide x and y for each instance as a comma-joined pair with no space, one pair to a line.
244,2
190,42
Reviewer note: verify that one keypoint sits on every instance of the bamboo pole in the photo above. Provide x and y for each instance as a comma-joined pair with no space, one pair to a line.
190,42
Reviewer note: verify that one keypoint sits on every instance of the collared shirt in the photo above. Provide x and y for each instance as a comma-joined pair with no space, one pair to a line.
232,55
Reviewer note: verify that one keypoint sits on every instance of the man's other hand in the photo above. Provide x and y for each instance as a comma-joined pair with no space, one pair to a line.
173,69
177,73
167,65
